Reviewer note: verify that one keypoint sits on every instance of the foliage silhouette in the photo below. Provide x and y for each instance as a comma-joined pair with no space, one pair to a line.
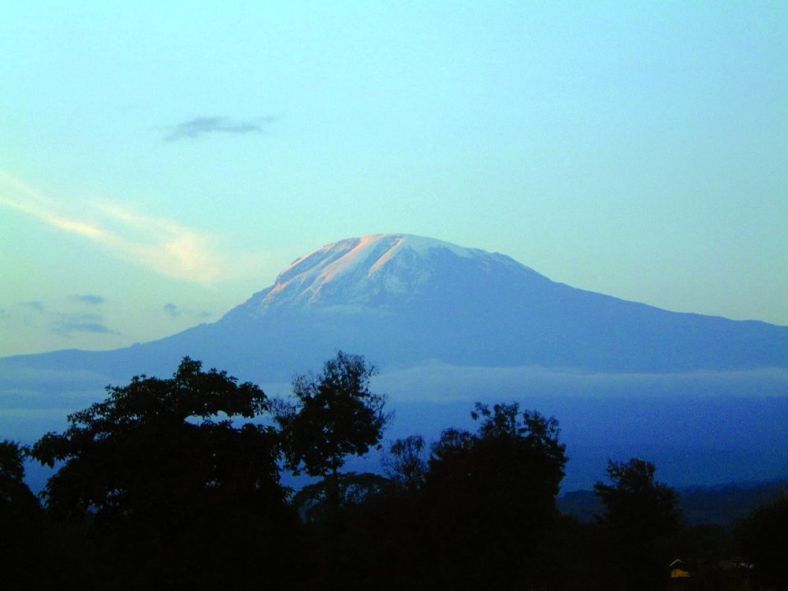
406,465
763,537
13,490
490,497
312,501
174,483
179,493
21,520
640,513
335,415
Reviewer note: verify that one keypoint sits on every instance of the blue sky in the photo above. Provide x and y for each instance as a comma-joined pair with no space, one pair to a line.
159,162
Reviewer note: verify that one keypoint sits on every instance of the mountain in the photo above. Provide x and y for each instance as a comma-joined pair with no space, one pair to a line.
404,299
447,325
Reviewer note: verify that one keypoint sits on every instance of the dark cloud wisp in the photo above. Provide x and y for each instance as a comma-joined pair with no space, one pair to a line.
69,324
176,311
69,327
200,126
89,298
172,310
35,305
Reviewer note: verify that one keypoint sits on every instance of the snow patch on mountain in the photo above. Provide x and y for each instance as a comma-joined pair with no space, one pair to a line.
359,271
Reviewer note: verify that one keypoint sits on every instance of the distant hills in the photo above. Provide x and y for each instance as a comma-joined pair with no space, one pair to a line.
717,505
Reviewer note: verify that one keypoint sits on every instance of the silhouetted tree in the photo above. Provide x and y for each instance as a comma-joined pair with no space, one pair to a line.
491,499
385,532
21,523
406,465
763,538
639,512
179,493
335,415
311,501
13,490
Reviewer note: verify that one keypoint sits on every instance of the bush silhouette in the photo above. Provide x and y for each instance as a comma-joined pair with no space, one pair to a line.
179,493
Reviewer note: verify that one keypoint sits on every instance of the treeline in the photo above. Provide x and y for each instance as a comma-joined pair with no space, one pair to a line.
176,484
699,505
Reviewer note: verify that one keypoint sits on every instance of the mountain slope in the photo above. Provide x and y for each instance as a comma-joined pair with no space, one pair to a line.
446,326
402,300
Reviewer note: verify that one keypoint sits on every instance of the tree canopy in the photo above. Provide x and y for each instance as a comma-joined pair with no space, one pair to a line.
20,521
175,483
639,513
637,505
335,415
491,496
157,437
763,537
165,471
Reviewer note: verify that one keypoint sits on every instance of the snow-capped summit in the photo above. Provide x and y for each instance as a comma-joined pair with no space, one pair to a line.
376,269
446,321
403,300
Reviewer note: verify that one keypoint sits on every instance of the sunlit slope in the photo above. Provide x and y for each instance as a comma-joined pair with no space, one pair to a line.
403,299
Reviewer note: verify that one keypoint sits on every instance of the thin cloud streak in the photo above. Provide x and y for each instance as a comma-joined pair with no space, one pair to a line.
175,311
164,246
20,196
200,126
172,310
35,305
69,327
159,244
89,299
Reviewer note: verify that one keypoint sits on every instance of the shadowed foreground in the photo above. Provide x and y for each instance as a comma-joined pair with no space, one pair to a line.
176,483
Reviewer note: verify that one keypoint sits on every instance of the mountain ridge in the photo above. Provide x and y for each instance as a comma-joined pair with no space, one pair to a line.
446,326
375,263
403,299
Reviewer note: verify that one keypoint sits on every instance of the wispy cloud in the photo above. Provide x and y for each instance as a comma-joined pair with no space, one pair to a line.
68,324
69,327
200,126
172,310
35,305
58,322
160,244
88,298
176,311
